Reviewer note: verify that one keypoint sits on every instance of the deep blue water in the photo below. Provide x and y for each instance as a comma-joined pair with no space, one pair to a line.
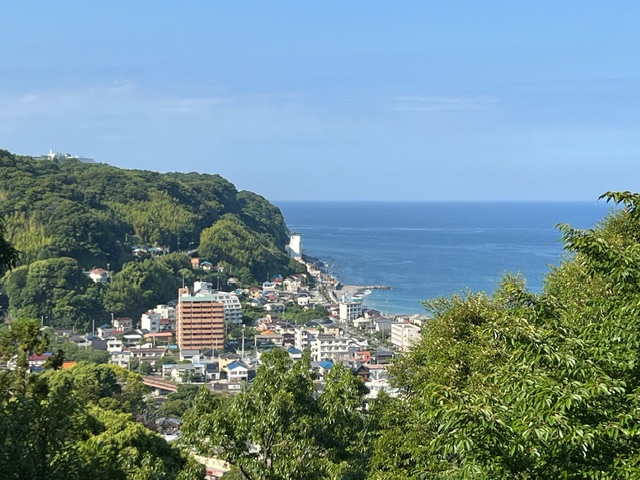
429,249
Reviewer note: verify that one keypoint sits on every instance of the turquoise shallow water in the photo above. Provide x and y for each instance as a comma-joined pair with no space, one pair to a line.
429,249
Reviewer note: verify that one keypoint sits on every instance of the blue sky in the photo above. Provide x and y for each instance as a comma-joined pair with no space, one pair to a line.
340,100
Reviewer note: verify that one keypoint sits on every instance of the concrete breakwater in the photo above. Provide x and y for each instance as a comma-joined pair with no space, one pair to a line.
355,291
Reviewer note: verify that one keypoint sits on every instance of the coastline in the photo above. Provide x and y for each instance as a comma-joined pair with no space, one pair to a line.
333,291
434,250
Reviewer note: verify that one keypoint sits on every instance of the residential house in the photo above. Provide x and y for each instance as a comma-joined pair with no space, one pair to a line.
322,368
255,293
364,323
362,371
237,371
206,266
274,307
379,381
80,340
36,362
383,356
188,354
294,353
183,371
159,338
382,325
99,275
114,344
212,371
147,353
362,356
122,358
105,331
131,337
332,329
227,358
268,338
123,323
269,287
303,300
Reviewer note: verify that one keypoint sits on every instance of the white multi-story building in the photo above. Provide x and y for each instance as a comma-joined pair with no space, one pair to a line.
150,321
230,301
165,311
403,335
114,345
121,359
331,347
349,311
304,337
294,249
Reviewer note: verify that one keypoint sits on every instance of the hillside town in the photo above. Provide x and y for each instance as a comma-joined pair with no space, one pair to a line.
215,338
196,330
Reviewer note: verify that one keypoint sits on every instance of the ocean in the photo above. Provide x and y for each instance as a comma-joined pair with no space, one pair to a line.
424,250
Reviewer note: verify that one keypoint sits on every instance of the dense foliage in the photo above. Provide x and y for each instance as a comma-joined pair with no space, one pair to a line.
64,217
77,423
517,385
279,428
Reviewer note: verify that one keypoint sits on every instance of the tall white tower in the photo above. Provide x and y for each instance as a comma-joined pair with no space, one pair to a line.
294,249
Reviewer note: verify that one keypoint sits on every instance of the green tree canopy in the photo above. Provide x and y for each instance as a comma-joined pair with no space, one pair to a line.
55,290
250,255
279,429
517,385
8,254
77,423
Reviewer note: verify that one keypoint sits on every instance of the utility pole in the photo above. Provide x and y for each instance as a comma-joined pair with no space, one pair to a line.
178,243
242,356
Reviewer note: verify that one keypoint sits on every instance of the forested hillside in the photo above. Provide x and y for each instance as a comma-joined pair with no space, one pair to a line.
66,217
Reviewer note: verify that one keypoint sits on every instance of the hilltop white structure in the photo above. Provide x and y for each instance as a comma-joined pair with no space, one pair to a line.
64,156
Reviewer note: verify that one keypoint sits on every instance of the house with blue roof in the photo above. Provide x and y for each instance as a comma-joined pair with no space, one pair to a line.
237,371
295,353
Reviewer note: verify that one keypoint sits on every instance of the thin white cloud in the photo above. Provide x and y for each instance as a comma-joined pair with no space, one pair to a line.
434,103
119,98
127,111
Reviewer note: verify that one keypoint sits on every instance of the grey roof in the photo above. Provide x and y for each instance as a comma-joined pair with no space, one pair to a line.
383,352
189,353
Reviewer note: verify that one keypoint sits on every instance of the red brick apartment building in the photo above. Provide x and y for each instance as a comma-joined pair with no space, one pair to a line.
199,321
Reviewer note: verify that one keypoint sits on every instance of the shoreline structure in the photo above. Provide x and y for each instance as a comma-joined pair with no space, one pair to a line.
332,290
355,291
